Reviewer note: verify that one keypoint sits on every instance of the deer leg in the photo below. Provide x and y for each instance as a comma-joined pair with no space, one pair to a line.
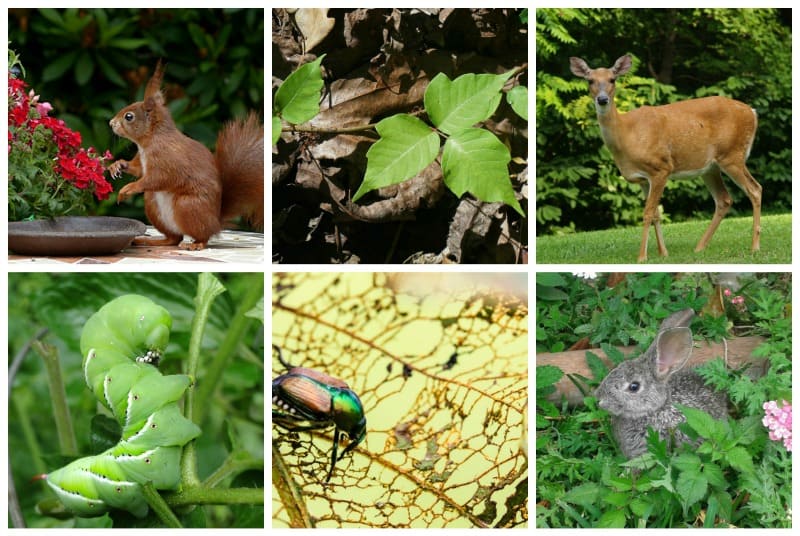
653,189
722,203
741,176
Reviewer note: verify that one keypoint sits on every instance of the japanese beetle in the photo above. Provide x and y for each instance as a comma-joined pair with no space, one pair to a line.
304,395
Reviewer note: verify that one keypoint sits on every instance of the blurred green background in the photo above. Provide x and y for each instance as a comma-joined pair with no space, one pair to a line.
90,63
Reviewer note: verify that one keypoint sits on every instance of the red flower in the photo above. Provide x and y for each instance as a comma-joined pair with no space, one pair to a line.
80,167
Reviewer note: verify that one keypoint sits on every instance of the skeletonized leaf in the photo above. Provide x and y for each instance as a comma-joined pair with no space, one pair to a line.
443,379
406,147
459,104
297,100
475,161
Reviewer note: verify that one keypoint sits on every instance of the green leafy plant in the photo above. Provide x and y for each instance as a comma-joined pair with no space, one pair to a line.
473,159
735,477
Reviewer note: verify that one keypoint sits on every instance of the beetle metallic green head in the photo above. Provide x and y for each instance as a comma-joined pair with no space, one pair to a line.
305,395
348,414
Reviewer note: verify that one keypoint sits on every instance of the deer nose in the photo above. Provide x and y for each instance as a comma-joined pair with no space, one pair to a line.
602,100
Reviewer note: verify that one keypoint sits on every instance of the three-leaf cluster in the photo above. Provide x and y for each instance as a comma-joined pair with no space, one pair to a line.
473,159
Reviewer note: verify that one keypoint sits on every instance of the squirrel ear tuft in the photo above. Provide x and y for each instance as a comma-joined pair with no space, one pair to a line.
154,84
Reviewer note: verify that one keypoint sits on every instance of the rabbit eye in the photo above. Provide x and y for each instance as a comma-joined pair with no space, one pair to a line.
633,387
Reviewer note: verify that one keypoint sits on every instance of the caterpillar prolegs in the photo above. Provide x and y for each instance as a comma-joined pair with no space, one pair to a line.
121,344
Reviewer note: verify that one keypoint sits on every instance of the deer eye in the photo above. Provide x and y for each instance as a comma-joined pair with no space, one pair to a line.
633,387
129,116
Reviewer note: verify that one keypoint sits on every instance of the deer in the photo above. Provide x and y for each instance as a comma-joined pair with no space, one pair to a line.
695,137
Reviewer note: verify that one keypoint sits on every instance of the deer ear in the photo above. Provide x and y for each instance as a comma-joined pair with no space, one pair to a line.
673,349
579,67
622,65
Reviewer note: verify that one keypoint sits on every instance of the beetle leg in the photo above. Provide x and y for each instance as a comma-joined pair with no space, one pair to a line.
336,436
289,422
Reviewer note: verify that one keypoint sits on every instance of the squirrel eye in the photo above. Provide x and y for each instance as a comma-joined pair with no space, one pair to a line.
129,116
633,387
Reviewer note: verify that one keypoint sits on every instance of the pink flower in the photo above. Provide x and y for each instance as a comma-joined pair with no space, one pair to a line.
779,422
727,292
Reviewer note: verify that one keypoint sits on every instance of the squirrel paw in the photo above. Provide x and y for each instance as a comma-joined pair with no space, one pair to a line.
116,169
192,246
126,192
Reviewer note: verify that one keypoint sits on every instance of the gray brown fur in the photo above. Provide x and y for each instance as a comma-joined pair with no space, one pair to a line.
661,385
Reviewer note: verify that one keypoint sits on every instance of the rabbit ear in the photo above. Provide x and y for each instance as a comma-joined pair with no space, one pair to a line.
680,319
673,349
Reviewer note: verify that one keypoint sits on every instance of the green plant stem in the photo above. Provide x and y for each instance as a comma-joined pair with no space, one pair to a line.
203,495
236,329
208,288
236,462
58,396
29,434
290,493
160,507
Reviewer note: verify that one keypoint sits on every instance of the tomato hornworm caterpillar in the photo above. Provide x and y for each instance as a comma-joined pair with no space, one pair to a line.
122,344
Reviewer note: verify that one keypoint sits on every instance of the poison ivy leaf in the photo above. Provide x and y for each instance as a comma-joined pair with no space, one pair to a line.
475,161
443,380
297,100
518,99
406,147
457,105
276,129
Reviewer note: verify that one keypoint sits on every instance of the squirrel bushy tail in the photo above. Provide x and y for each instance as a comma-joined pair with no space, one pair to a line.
241,174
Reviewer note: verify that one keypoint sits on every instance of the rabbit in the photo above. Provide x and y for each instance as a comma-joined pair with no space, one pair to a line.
643,392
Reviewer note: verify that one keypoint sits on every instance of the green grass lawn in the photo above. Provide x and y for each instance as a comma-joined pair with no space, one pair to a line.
731,244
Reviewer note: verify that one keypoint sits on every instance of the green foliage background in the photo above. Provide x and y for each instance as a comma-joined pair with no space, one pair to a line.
678,54
90,63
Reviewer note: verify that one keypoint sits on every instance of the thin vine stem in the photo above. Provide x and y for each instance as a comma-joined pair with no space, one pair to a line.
208,288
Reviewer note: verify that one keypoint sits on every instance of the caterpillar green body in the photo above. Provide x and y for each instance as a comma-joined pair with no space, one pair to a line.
120,343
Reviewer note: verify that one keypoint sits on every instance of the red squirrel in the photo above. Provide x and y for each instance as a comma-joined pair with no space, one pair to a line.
188,190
